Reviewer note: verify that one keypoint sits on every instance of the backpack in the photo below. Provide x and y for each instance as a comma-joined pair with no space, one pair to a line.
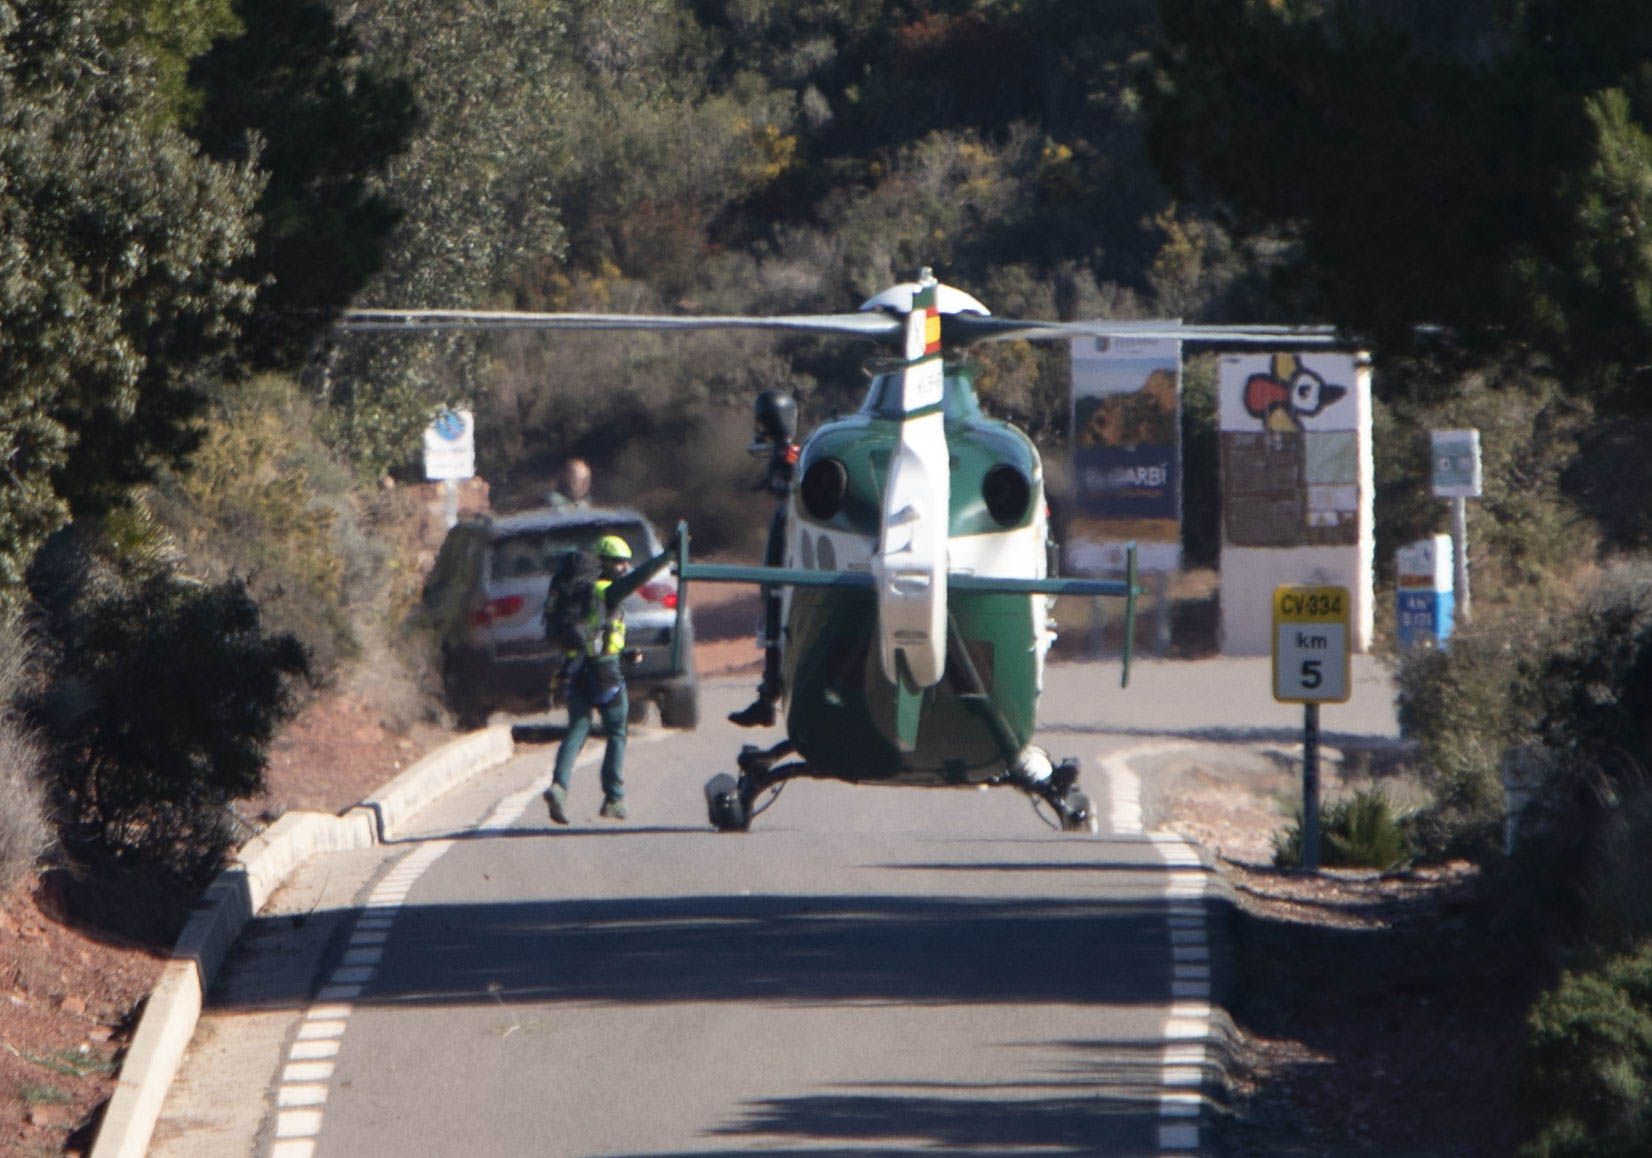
571,614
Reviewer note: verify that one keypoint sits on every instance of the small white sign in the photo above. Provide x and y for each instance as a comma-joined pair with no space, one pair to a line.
450,446
1455,460
1424,565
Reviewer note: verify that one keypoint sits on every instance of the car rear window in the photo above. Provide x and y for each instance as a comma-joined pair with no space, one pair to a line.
536,553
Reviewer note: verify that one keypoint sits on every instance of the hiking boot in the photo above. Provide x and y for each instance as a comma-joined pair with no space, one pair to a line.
760,714
556,799
614,809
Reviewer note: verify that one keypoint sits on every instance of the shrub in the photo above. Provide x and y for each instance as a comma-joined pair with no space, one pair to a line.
1620,895
165,703
1358,832
1590,689
264,501
1587,1067
1463,707
24,834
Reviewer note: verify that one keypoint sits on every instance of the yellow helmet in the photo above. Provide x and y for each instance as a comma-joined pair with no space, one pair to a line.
613,547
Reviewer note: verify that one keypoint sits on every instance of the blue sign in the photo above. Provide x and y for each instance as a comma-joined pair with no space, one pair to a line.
1425,617
450,425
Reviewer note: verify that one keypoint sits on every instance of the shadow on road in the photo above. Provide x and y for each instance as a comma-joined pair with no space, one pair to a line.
911,950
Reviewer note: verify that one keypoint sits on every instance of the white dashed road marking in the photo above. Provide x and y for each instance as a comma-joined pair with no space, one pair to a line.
301,1097
1188,1032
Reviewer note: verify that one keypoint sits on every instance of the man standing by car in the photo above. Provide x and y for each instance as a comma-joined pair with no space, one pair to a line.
573,492
595,679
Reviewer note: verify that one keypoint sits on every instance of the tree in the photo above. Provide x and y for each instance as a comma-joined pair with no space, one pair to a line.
117,299
1487,178
170,34
292,94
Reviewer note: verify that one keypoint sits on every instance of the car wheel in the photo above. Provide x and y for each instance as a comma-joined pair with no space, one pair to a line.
469,713
680,706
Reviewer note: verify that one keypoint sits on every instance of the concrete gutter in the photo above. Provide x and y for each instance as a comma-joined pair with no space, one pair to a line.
235,896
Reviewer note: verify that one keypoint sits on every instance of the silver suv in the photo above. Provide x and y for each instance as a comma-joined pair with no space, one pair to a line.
486,597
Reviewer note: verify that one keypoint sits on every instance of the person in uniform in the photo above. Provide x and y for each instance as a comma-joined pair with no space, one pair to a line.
594,680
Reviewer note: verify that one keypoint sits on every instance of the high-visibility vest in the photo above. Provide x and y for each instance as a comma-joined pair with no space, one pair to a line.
606,639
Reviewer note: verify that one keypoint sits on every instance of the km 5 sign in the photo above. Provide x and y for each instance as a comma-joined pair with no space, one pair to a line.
1310,645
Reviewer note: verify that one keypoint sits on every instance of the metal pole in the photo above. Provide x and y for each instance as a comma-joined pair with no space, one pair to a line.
1161,620
1310,787
450,501
1459,554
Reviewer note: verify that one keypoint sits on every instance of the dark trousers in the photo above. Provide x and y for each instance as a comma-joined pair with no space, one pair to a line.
614,716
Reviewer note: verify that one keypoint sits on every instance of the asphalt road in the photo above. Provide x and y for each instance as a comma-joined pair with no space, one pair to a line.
872,970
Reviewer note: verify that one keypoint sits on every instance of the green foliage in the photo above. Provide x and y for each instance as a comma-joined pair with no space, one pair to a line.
172,34
24,834
1526,125
1594,685
1563,692
164,695
292,94
263,502
476,188
117,305
1358,832
1527,534
1620,886
1586,1080
639,155
1464,707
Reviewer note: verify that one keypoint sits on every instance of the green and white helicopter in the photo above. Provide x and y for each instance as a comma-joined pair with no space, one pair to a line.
917,569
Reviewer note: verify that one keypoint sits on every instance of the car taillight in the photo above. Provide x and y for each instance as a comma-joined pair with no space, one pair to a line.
665,594
495,609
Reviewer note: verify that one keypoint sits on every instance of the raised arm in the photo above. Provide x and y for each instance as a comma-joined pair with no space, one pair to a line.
638,575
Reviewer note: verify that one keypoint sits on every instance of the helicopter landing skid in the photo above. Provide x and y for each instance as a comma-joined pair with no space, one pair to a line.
731,802
1073,807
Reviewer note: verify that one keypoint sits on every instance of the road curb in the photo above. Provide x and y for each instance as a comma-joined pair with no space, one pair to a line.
388,808
173,1007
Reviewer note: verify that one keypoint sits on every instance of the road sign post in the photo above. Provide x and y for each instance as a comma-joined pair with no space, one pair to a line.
1311,666
1457,474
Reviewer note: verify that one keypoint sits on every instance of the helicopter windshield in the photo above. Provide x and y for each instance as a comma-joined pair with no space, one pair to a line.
958,401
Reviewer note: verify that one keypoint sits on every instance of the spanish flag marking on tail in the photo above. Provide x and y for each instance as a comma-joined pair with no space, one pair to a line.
923,324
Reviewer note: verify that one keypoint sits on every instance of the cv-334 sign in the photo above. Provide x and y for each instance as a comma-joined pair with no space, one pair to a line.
1310,645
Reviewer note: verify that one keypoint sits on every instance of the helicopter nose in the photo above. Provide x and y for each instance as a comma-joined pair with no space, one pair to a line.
909,569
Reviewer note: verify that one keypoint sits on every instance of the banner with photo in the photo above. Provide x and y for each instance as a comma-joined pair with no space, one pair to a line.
1127,480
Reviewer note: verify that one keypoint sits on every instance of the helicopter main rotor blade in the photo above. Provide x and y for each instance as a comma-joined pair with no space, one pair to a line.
873,326
967,329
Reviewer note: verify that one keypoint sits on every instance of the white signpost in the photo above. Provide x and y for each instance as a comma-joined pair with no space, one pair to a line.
450,455
1311,666
1457,474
